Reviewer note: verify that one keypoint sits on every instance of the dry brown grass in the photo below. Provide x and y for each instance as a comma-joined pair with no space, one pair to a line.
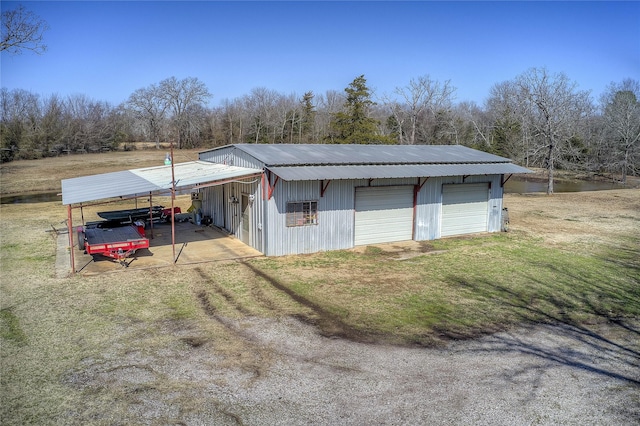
44,175
576,218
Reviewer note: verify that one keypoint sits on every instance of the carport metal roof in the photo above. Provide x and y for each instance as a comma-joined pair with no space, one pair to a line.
155,180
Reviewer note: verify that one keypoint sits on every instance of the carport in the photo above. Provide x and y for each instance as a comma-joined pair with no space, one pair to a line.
194,244
107,188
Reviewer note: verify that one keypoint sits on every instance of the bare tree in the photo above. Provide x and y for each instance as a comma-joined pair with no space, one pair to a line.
182,96
328,105
554,111
508,114
286,118
476,125
622,125
22,30
149,106
119,126
52,127
86,125
420,96
233,121
261,107
20,119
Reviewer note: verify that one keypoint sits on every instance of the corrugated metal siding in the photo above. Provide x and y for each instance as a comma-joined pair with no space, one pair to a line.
335,217
427,222
429,205
335,229
496,193
213,204
336,220
232,156
233,211
227,215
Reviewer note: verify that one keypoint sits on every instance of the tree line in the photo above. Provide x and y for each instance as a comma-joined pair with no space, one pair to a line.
538,119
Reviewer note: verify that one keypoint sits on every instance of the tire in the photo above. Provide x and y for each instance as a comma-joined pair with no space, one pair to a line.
81,240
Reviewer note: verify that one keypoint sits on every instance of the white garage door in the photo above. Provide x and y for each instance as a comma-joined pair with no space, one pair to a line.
464,208
383,214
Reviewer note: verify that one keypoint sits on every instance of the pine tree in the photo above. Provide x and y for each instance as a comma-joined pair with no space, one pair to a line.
353,125
308,117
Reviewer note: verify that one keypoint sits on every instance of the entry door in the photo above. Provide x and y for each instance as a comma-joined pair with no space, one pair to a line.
245,220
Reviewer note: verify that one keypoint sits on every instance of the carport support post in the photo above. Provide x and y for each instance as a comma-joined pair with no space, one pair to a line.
70,228
151,213
173,197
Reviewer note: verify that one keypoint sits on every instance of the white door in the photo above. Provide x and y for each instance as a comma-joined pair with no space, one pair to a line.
383,214
465,209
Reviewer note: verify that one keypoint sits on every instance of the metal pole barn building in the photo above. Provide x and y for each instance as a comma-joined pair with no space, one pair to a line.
313,198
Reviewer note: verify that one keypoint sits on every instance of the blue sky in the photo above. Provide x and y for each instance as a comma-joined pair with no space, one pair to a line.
107,50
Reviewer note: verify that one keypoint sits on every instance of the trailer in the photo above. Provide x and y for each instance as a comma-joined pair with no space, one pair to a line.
116,243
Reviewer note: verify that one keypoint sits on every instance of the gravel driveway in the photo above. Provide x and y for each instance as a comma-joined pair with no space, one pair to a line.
540,375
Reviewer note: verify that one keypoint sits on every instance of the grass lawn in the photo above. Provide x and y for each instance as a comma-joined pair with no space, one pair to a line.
466,288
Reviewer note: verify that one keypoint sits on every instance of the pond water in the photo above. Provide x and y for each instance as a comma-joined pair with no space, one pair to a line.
523,186
43,197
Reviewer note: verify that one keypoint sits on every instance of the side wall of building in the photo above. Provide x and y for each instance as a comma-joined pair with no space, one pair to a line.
231,156
429,204
243,219
224,203
335,228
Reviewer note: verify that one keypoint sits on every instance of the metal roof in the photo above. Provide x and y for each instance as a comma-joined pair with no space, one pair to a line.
394,171
138,182
338,161
273,155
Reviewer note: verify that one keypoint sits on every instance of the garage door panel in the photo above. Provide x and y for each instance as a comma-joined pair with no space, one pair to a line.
464,209
383,214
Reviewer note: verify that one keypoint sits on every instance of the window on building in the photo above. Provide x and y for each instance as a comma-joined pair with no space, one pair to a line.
302,213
